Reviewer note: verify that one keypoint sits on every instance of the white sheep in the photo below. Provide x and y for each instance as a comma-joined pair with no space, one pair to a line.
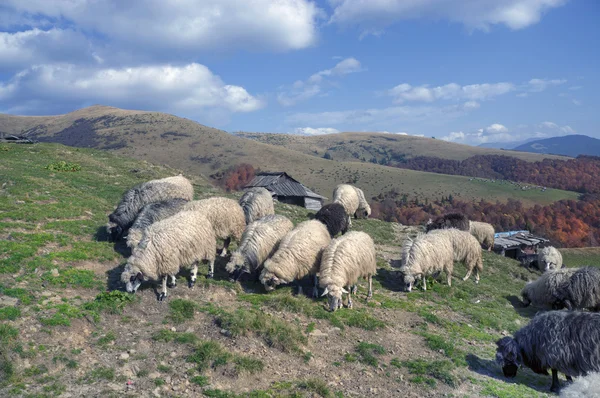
364,210
142,194
259,241
150,214
344,261
466,250
181,240
298,255
543,292
425,255
483,232
549,258
584,386
353,200
256,203
225,215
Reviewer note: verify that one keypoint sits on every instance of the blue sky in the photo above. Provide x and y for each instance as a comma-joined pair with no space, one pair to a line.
468,71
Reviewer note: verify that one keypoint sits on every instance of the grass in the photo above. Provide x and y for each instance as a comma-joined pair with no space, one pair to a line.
581,256
246,364
9,313
439,370
209,354
367,353
200,381
181,310
99,374
166,335
106,339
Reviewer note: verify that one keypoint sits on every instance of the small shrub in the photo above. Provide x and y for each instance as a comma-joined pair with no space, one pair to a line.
100,373
439,370
200,380
159,382
317,386
181,310
9,313
112,302
367,352
63,166
209,354
164,368
106,339
245,364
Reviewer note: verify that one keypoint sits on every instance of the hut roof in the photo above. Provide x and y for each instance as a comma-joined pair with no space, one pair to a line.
282,184
516,239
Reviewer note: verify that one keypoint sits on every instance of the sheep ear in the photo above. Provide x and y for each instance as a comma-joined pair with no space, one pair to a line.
344,291
325,292
140,276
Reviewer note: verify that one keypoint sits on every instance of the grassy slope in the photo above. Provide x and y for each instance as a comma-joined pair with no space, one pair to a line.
368,145
227,337
202,150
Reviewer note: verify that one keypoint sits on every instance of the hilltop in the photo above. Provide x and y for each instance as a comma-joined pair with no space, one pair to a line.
202,150
571,145
62,332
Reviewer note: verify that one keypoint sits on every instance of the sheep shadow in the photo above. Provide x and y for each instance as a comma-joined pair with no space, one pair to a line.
521,309
113,278
390,280
120,246
525,376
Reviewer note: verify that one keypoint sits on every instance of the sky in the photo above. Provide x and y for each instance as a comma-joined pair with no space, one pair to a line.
467,71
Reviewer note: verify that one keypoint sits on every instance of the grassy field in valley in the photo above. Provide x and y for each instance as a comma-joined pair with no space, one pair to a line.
67,328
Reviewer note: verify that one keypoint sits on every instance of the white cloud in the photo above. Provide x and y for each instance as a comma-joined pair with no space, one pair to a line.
575,88
405,92
499,133
184,25
538,85
576,102
190,89
315,131
373,16
303,90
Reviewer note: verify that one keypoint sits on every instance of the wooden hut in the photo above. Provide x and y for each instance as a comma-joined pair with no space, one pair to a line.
520,245
287,190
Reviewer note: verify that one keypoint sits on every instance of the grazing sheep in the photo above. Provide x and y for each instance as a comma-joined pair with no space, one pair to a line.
364,210
181,240
563,341
344,261
581,290
346,195
142,194
150,214
427,254
466,250
450,220
225,215
586,386
298,255
256,202
483,232
543,291
549,258
334,217
259,241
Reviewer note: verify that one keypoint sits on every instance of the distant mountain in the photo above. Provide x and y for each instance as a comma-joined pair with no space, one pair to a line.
506,145
569,145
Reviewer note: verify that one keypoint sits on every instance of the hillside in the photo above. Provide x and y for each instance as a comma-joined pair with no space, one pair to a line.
197,149
505,145
359,146
63,333
571,145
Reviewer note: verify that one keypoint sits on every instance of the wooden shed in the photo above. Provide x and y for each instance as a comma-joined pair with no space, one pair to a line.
520,245
287,190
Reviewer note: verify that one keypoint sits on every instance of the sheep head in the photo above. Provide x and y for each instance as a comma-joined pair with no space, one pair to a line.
270,280
114,231
334,296
133,277
508,356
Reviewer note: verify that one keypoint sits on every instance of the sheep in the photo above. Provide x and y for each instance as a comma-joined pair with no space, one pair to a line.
259,241
225,215
142,194
256,202
334,217
344,261
298,255
563,341
450,220
150,214
181,240
426,255
543,291
466,250
549,258
364,210
581,290
347,196
484,233
586,386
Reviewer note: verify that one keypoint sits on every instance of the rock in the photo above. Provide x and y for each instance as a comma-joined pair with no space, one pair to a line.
131,351
124,356
318,333
173,329
6,301
54,272
154,375
46,294
173,354
225,332
156,392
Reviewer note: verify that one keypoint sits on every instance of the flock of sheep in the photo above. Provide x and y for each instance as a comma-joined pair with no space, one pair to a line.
167,230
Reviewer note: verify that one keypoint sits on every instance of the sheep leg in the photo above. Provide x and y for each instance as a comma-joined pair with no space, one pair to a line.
315,292
193,275
568,305
349,221
226,243
424,283
163,294
449,278
173,282
299,288
349,288
468,274
211,269
370,294
555,387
